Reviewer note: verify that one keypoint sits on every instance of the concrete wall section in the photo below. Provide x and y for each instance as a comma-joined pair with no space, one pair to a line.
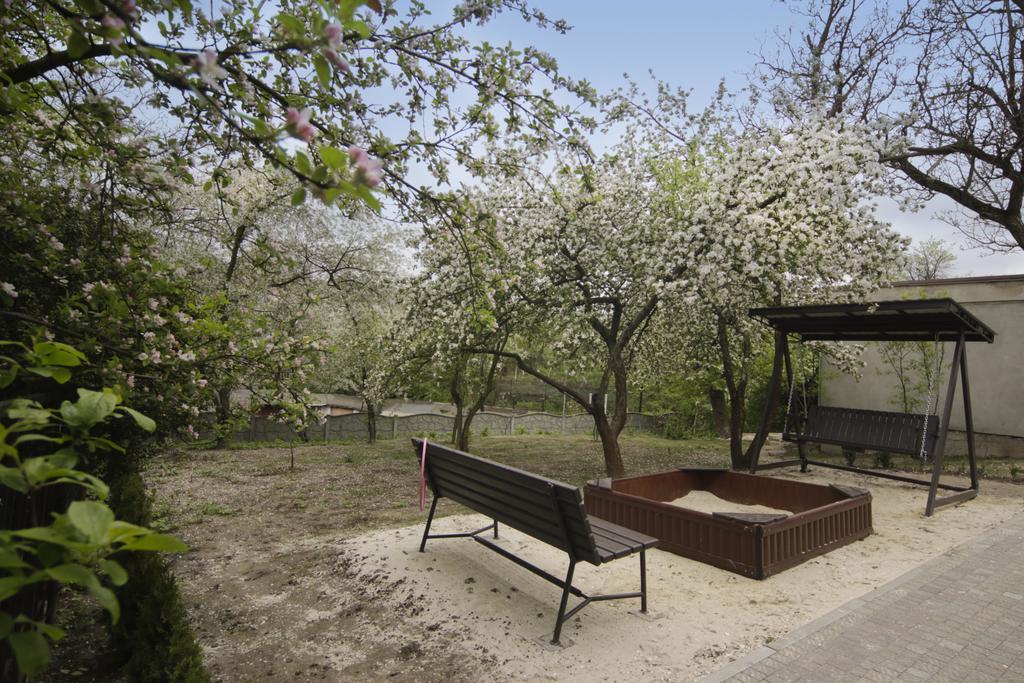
353,427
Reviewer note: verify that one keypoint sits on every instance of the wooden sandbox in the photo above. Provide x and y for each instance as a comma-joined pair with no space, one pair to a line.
755,545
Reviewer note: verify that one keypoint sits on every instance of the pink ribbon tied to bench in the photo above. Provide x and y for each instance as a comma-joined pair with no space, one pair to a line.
423,474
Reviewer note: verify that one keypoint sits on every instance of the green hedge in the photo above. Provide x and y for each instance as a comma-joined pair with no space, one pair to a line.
153,632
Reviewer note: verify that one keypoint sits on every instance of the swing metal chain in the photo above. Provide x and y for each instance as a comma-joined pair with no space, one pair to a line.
789,403
923,455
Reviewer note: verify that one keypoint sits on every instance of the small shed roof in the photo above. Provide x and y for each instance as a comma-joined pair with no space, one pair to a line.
918,320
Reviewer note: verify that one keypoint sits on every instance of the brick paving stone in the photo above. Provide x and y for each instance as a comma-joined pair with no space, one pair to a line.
958,618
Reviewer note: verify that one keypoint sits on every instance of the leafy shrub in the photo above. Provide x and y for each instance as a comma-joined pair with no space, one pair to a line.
884,461
40,451
153,631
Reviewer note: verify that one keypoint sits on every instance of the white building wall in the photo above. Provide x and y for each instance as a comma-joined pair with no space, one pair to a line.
996,370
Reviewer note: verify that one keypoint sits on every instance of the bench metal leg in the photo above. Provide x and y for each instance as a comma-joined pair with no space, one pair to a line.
430,519
475,535
565,601
643,580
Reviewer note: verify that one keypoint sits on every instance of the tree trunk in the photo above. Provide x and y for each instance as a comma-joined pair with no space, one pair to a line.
455,389
737,388
609,443
771,403
737,416
223,415
479,403
719,416
371,422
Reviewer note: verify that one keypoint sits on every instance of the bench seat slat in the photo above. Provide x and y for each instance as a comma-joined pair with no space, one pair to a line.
614,541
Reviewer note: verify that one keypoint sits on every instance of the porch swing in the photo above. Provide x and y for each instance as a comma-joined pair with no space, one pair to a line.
922,435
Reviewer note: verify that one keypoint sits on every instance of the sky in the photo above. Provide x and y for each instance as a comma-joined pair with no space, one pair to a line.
695,44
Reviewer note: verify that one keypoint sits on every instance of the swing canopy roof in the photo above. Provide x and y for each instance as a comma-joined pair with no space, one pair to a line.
920,320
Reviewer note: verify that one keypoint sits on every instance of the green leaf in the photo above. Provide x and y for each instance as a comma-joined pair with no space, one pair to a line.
50,631
299,196
8,376
30,650
92,407
6,624
333,157
323,70
55,353
46,535
291,24
91,518
13,478
78,44
106,598
367,196
359,27
10,585
302,163
158,542
118,576
146,423
71,573
59,375
120,531
10,559
25,438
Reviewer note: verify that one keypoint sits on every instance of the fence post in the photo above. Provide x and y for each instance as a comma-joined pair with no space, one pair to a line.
511,424
394,426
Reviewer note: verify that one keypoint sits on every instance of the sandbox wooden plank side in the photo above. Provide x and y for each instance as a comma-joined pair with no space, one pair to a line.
698,536
809,534
750,548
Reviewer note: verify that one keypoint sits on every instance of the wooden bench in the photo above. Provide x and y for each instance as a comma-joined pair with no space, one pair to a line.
873,430
547,510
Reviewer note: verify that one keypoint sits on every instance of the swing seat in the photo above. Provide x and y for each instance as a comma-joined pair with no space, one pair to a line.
874,430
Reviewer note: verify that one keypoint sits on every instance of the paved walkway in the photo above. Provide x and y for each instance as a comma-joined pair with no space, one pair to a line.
958,617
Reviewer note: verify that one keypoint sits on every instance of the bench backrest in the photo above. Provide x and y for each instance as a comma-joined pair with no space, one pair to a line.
548,510
874,430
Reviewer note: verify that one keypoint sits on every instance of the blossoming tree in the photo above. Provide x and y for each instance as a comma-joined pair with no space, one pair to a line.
613,262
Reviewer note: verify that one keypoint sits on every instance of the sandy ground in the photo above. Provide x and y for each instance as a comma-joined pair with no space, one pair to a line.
705,501
497,618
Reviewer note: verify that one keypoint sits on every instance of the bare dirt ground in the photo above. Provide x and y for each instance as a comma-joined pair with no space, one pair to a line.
313,574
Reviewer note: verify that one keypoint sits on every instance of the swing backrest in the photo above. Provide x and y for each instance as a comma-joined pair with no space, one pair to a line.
873,430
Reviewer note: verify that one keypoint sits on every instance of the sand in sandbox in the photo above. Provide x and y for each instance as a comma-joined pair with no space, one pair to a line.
705,501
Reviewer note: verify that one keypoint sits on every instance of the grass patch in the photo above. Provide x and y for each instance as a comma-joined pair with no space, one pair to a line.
354,486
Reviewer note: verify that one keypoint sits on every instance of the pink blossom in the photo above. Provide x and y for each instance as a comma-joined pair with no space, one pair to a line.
9,289
130,381
334,58
209,70
298,125
368,169
130,8
334,35
114,23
